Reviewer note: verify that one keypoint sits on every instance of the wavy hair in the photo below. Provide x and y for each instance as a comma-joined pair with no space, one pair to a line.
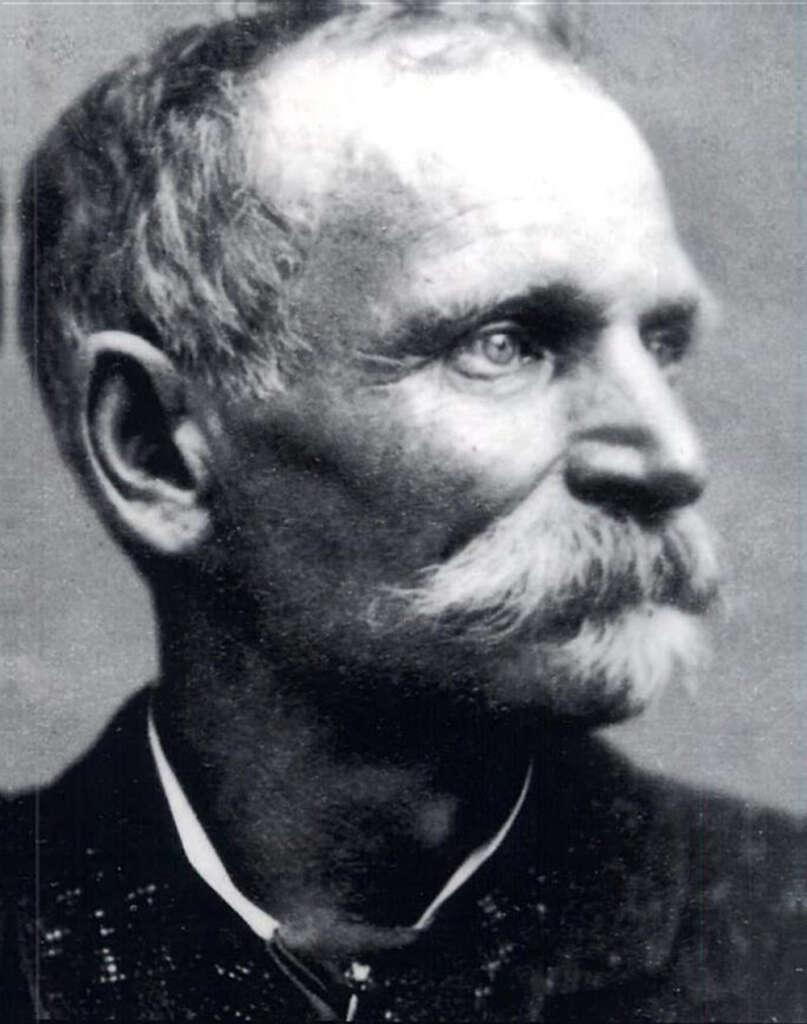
138,213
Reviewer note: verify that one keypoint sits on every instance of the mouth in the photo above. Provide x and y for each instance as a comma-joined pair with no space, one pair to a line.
547,580
688,597
678,584
562,621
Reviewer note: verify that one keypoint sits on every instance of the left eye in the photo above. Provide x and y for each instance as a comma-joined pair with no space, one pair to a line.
493,351
667,343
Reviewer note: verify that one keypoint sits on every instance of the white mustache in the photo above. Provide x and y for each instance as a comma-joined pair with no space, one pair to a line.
550,565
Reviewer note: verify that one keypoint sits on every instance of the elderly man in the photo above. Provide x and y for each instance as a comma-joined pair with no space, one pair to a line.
362,329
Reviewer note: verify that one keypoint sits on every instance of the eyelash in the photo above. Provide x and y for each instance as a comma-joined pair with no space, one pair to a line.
530,350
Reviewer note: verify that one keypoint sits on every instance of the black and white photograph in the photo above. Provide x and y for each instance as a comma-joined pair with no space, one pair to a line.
403,511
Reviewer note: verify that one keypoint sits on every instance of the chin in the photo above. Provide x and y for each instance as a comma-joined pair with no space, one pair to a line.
608,671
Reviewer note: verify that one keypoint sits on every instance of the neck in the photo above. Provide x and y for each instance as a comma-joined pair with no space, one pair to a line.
340,807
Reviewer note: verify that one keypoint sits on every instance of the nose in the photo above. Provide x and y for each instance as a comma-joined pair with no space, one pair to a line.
634,449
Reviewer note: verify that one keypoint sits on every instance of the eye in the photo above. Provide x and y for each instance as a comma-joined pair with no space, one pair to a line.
668,343
495,350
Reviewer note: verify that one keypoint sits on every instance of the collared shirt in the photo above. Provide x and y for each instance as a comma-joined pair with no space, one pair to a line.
207,863
198,848
617,896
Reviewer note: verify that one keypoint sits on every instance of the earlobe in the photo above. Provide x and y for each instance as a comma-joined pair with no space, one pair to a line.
147,455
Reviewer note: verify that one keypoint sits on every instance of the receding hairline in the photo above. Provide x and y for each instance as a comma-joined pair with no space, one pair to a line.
344,27
368,24
417,37
289,89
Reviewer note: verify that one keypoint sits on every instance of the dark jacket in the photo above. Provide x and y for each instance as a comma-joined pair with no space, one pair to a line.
617,897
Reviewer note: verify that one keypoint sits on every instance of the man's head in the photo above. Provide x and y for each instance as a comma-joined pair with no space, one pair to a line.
375,334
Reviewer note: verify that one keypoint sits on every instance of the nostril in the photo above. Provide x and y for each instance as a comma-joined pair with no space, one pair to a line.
619,499
647,498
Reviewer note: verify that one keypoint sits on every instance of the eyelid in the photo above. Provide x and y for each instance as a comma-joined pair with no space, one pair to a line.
480,332
503,326
480,368
678,331
530,337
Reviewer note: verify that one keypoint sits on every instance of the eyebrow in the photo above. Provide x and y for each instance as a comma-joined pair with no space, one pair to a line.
685,313
686,309
560,309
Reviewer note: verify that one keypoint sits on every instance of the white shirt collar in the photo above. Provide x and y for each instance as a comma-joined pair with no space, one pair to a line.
207,863
198,848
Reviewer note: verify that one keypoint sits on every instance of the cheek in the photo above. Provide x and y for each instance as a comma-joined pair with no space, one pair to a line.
427,467
499,448
373,484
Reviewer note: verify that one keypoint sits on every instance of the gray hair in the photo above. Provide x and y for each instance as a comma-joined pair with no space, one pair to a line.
138,214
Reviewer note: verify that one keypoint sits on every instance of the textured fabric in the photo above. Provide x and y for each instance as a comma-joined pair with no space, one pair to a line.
616,897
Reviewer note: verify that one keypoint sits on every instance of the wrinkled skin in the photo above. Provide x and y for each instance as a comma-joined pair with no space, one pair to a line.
466,517
497,307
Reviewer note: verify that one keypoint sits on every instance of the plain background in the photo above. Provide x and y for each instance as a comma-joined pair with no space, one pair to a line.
719,90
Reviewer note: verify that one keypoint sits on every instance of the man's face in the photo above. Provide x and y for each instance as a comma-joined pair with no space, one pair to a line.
482,482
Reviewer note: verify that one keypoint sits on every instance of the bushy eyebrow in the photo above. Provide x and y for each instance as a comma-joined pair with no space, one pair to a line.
561,311
686,310
559,315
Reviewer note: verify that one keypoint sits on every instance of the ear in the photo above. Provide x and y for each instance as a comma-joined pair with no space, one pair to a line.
148,458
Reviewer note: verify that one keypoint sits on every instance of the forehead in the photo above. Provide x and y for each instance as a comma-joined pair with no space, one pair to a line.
489,175
429,106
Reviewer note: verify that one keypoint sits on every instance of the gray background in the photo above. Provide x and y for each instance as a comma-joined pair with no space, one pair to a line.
719,89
